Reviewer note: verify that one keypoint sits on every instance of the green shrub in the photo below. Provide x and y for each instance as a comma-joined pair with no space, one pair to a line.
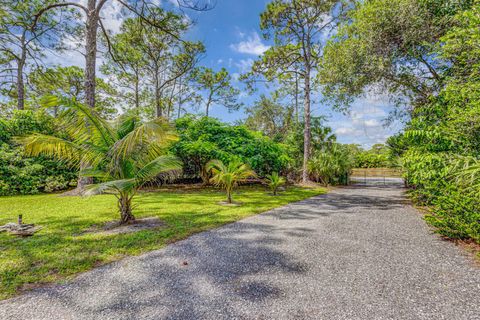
29,175
55,183
331,165
426,173
455,206
204,139
456,214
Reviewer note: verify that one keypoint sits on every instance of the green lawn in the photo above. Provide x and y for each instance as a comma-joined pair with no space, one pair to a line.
57,252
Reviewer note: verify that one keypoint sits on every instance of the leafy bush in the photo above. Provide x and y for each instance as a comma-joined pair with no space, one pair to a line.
204,139
456,214
379,156
331,166
55,183
371,160
435,179
426,173
29,175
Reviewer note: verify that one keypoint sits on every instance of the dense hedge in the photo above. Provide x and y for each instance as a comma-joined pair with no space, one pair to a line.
204,139
455,208
434,148
29,175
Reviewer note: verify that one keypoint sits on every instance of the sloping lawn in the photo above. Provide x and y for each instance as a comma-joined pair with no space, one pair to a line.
58,251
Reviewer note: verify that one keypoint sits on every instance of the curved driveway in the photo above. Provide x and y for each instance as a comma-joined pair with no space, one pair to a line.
355,253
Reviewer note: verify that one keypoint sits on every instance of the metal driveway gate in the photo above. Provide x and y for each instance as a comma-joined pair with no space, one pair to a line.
376,177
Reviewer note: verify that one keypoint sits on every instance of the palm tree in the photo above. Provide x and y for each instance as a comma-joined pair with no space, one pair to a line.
274,181
331,165
228,176
122,156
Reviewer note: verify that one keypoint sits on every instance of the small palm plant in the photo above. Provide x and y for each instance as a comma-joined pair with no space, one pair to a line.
228,176
122,156
275,181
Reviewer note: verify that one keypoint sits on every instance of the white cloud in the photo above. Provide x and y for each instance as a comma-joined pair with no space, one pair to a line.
252,45
244,65
372,123
344,131
364,123
112,16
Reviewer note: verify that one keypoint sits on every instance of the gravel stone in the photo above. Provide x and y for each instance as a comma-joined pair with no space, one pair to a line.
355,253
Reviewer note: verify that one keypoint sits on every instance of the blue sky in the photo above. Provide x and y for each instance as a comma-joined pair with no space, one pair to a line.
231,34
233,39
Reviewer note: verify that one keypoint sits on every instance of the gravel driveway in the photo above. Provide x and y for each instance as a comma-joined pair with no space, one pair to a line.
355,253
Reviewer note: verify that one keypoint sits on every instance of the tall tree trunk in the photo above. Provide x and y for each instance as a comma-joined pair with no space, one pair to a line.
306,144
20,86
159,108
296,98
91,53
90,75
158,104
180,99
20,80
137,94
209,101
82,182
170,101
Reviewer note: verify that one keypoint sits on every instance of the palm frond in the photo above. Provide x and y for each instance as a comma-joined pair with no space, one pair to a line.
229,174
80,122
275,180
125,125
39,144
243,172
114,187
163,164
94,155
157,133
150,152
215,166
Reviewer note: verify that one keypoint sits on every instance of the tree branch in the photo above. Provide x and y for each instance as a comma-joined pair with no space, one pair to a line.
150,22
56,5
